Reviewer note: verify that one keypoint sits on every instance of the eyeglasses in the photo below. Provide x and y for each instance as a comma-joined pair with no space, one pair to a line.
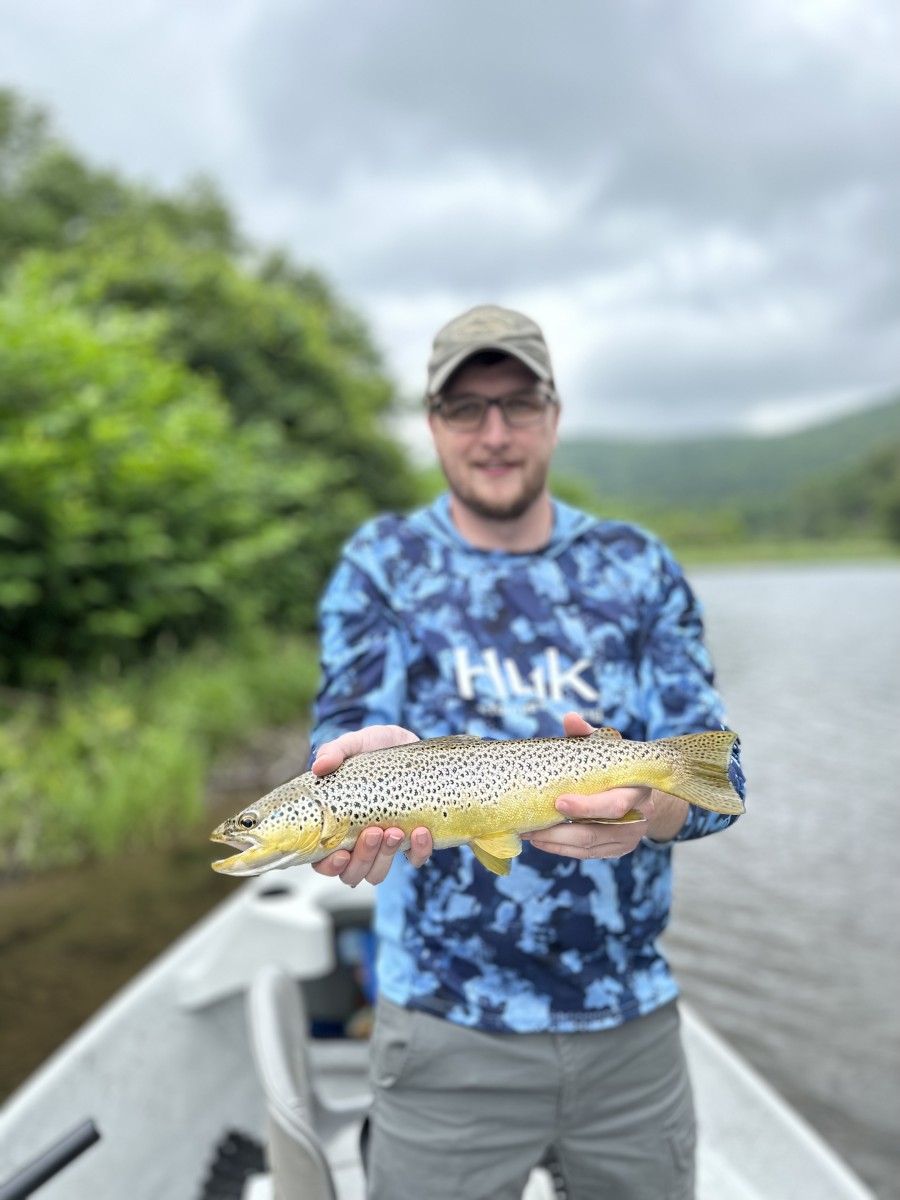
467,412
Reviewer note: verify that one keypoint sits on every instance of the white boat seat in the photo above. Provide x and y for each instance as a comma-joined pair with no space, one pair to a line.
313,1143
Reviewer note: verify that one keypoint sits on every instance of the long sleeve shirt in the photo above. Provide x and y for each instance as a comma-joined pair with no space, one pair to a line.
421,629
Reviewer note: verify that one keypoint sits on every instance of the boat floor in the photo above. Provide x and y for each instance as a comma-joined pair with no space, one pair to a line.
165,1069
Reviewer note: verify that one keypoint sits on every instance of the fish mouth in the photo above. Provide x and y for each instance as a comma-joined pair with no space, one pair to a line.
238,841
253,855
235,864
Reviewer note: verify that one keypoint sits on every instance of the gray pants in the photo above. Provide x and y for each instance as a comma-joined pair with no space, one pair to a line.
464,1115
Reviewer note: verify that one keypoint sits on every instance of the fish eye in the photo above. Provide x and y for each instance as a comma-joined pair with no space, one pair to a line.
248,820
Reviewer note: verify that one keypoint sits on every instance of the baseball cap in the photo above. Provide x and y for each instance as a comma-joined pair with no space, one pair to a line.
487,327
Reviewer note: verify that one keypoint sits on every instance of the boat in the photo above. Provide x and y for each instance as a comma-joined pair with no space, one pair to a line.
235,1065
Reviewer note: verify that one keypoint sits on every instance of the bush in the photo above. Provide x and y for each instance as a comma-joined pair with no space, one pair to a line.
123,762
132,508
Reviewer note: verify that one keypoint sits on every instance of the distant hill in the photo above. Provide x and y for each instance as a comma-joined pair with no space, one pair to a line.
739,470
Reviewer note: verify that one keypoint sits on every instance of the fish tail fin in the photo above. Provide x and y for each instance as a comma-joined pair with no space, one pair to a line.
701,774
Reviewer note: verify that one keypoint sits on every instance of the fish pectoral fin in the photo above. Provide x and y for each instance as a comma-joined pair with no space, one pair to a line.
304,843
496,849
605,731
628,819
334,829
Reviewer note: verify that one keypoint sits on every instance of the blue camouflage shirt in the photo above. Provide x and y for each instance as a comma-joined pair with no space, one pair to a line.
421,629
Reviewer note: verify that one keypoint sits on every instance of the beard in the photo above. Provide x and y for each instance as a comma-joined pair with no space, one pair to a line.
494,507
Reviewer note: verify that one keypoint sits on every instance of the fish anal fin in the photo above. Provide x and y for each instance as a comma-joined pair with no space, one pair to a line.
334,829
495,850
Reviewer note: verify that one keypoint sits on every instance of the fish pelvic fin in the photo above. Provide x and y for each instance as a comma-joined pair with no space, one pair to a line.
496,849
702,774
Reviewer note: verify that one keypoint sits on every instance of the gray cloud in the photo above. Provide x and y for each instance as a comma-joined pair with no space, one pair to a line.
697,200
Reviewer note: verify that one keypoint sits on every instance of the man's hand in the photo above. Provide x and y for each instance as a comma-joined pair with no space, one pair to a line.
664,816
375,848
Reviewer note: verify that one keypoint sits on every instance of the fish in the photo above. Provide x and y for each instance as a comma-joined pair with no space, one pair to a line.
469,791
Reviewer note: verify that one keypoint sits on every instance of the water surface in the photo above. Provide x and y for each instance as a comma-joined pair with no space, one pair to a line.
786,928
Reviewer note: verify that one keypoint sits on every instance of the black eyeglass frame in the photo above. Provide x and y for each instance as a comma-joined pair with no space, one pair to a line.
547,394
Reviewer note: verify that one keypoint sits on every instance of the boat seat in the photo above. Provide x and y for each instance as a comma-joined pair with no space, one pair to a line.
313,1141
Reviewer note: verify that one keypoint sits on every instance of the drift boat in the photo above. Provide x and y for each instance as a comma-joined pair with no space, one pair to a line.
225,1069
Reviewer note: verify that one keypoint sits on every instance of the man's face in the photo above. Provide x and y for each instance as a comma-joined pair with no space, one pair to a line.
496,471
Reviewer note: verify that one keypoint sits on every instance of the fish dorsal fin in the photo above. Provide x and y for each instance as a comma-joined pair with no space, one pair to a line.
605,731
334,829
451,739
496,849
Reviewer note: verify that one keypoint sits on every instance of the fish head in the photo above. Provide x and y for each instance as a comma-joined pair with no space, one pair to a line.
283,829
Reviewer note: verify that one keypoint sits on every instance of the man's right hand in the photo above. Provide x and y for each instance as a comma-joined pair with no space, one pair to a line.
375,848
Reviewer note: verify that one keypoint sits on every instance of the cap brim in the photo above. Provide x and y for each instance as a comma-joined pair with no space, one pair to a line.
443,373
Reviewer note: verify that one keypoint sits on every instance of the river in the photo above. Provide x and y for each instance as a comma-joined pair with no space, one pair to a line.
786,928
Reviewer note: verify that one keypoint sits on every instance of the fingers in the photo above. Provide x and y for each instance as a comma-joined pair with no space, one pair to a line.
333,864
373,854
611,805
329,758
420,848
330,755
573,840
375,848
370,858
576,726
588,841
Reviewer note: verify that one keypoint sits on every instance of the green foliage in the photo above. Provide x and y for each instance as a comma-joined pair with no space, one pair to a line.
278,346
50,199
737,472
123,762
131,505
189,433
863,501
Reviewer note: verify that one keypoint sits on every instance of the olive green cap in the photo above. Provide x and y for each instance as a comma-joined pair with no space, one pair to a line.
487,327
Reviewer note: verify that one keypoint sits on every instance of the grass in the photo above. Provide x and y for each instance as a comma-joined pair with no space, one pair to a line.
787,550
117,763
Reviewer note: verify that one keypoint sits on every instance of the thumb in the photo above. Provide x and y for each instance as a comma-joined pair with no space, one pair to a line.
576,726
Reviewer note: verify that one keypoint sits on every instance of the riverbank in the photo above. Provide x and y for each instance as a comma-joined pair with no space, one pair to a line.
71,937
119,762
786,551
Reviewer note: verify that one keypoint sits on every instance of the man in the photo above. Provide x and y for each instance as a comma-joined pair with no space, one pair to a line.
534,1011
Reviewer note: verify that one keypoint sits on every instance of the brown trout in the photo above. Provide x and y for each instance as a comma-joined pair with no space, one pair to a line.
468,791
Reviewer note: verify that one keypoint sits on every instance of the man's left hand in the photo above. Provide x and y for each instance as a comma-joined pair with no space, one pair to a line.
601,841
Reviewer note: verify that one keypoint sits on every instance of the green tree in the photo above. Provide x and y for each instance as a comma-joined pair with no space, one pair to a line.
131,504
190,428
278,347
860,501
51,199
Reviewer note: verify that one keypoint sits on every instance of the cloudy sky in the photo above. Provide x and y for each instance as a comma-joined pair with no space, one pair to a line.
698,201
